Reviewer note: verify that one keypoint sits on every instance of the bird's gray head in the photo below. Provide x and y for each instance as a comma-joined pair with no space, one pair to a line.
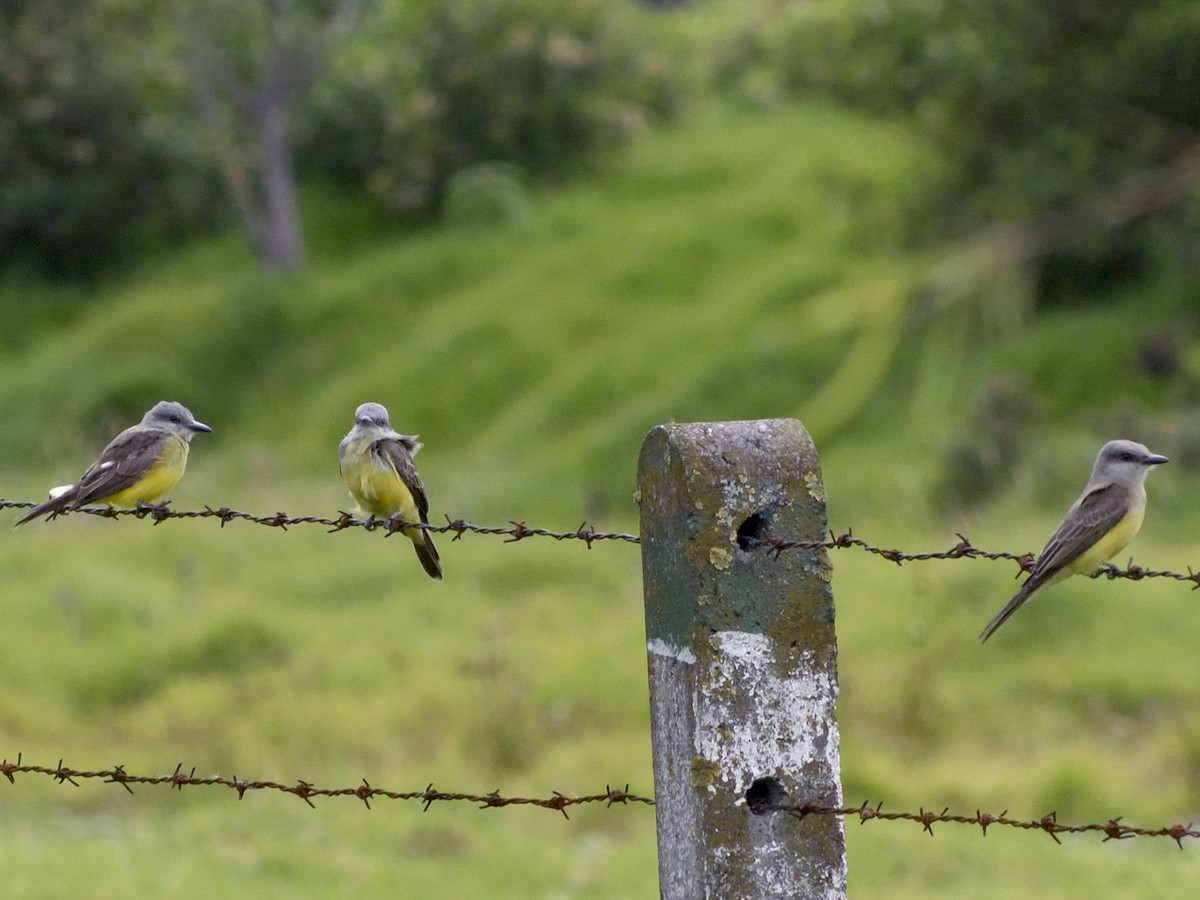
372,415
175,417
371,420
1125,461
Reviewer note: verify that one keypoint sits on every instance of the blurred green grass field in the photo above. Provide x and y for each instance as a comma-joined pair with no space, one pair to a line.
745,265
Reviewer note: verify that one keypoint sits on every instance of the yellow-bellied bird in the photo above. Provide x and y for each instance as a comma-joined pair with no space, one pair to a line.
139,465
1098,526
377,466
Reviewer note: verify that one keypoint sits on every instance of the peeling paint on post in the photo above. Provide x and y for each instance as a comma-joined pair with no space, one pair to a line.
743,661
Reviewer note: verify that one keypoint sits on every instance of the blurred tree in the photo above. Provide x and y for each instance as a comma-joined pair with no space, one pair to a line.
1075,118
250,64
119,119
1065,165
94,163
432,87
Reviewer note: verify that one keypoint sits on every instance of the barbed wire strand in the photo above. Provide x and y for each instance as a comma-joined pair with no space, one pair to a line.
1113,829
964,549
307,791
514,531
517,530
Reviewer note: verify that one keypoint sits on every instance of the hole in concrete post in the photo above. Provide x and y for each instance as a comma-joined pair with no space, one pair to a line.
752,532
764,794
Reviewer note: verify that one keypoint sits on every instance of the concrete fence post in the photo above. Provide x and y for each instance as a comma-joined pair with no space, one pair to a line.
743,662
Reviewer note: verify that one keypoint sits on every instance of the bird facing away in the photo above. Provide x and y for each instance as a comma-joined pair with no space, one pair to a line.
139,465
1098,526
377,466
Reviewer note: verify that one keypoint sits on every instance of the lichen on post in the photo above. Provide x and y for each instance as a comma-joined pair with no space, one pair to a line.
743,661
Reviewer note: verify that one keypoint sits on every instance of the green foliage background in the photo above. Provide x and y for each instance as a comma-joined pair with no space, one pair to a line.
758,257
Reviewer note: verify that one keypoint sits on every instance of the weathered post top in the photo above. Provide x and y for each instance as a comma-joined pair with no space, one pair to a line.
743,661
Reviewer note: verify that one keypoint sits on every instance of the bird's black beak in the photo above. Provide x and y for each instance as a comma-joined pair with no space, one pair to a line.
200,426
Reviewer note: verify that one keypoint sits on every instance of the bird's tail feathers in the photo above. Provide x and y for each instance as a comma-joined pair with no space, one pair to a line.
427,554
60,499
1027,590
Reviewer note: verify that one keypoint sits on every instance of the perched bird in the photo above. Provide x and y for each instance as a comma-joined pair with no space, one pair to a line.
1098,526
139,465
377,466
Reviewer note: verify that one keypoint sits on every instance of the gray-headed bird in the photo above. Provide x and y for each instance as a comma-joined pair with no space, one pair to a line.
139,465
1098,526
377,466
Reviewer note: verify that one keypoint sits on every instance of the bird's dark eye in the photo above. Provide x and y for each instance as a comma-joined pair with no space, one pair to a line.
1128,457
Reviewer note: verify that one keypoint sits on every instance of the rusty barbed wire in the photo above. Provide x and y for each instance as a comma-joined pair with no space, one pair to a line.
517,530
964,549
1113,829
307,791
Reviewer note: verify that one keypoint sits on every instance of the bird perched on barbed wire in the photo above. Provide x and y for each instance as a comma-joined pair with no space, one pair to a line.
377,465
138,466
1098,526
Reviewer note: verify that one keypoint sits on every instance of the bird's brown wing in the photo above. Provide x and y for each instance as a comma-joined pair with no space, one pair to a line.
1096,514
395,452
122,463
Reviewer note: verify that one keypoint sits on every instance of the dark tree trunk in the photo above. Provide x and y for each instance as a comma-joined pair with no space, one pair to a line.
279,239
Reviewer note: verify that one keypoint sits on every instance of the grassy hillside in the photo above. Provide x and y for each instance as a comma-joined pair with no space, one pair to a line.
743,266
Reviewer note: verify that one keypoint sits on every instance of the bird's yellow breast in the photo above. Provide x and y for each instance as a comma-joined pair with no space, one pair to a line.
159,478
1111,544
376,485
